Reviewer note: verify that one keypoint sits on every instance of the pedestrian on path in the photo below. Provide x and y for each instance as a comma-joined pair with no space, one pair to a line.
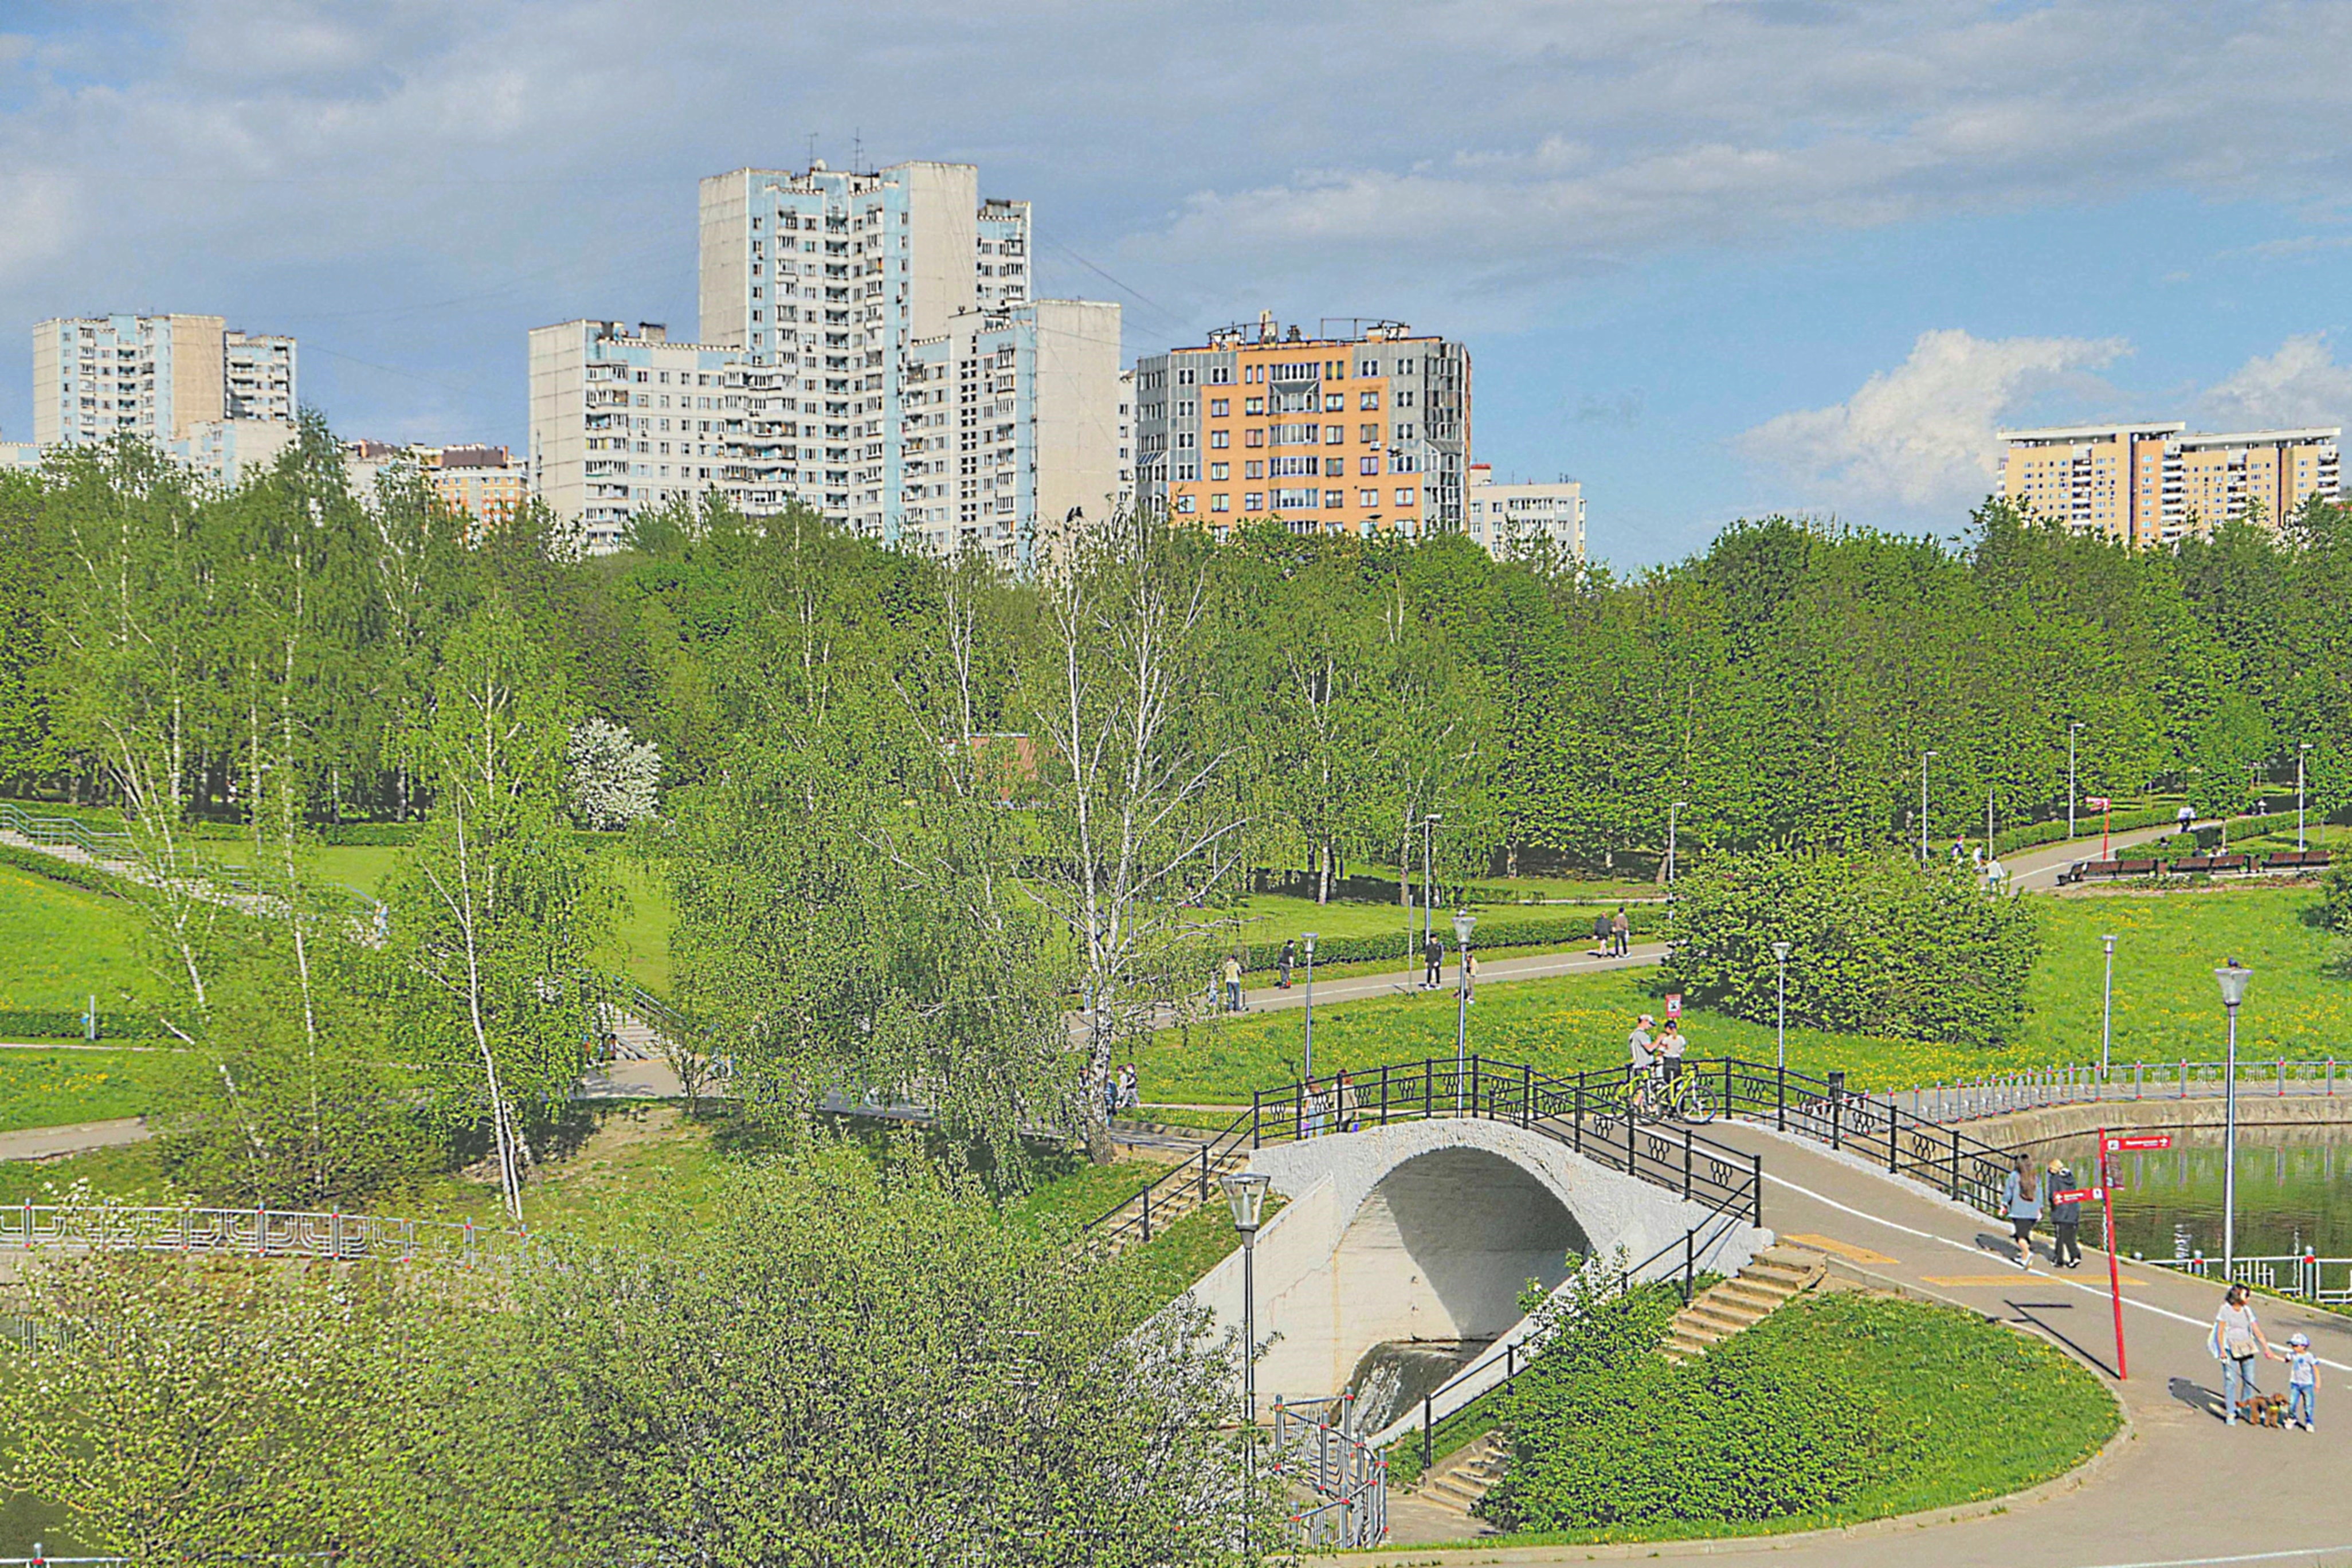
2066,1218
1232,982
1350,1108
1469,975
1129,1096
2237,1339
2021,1200
1621,934
1432,962
1311,1102
1638,1049
1601,929
2301,1380
1290,957
1671,1047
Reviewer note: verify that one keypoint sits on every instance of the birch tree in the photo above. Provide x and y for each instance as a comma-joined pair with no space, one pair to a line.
1122,695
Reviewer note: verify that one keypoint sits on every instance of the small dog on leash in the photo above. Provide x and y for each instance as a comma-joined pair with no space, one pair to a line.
2263,1410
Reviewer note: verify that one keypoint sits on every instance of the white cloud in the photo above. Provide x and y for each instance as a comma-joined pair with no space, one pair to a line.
2300,385
1920,437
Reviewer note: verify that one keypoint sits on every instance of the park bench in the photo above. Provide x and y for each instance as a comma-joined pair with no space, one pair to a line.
2189,865
2135,867
2293,859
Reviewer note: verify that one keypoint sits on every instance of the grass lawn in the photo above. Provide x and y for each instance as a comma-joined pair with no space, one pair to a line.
2167,946
1990,1411
2166,1004
57,1089
64,943
1267,918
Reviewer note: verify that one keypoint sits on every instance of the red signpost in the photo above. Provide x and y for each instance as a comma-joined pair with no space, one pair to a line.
2102,802
1674,1004
2104,1195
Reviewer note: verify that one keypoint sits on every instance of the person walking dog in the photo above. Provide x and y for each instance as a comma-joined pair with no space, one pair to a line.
2021,1200
2237,1339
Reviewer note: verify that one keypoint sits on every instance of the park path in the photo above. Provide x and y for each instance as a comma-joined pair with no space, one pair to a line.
2177,1489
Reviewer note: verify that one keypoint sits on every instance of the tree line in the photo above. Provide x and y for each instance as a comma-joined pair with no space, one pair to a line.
914,813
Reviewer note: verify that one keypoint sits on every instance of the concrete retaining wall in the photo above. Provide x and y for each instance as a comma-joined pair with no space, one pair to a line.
1430,1230
2255,1108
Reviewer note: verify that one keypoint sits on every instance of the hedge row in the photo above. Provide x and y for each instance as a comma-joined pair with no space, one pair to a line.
69,1024
2054,831
72,872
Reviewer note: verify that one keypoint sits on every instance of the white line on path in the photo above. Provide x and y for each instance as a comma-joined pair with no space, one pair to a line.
2071,1285
2247,1557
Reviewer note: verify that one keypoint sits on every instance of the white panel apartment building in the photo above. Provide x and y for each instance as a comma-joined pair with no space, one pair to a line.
827,299
1516,520
155,377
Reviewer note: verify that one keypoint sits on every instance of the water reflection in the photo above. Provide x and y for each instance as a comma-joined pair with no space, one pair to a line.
2168,1200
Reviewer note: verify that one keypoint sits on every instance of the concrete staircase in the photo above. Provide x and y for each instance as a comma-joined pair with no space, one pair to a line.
1177,1199
1457,1481
1779,1274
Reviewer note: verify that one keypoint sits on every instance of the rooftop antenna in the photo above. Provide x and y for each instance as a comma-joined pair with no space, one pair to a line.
857,151
811,155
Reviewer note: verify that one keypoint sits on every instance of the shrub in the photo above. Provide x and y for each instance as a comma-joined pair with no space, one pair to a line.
2335,899
1547,931
73,873
1880,945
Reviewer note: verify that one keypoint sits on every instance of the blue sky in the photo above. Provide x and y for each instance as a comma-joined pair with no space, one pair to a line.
1713,259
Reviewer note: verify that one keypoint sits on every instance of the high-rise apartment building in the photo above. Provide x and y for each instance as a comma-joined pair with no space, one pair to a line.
2155,483
626,421
484,483
155,377
1513,521
829,301
231,451
1361,432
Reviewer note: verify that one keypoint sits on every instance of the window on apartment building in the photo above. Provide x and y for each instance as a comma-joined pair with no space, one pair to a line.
1368,367
1404,432
1219,407
1333,467
1255,438
1221,375
1221,502
1369,400
1253,405
1333,402
1404,399
1368,464
1253,500
1184,376
1333,501
1184,503
1368,498
643,377
1253,470
1404,497
1220,438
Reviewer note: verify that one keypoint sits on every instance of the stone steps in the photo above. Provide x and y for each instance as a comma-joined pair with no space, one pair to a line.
1456,1482
1181,1198
1778,1274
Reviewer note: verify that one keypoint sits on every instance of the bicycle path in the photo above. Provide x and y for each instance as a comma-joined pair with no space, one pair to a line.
2177,1489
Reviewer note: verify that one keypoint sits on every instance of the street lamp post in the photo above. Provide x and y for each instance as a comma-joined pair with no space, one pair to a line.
2107,1008
2301,751
1464,921
1310,1006
1245,1191
2074,727
1923,805
1780,1028
2233,979
1672,808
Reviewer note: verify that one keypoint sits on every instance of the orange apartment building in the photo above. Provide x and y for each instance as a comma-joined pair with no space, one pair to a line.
2157,483
1365,430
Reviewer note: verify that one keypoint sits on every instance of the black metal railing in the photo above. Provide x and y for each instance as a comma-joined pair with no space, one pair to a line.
1591,1113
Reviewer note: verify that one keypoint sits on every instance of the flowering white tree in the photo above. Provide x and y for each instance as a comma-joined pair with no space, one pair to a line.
616,780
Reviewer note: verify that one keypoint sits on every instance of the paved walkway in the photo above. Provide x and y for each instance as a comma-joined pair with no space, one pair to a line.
2179,1489
48,1143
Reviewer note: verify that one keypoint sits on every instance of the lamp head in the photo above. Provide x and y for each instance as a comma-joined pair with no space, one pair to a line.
2234,977
1309,937
1781,951
1462,923
2109,943
1245,1190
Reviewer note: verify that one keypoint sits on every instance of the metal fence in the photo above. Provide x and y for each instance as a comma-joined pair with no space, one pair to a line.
1313,1449
2307,1277
107,846
253,1232
2027,1088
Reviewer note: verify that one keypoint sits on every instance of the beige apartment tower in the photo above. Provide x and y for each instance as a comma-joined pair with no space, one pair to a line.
2157,483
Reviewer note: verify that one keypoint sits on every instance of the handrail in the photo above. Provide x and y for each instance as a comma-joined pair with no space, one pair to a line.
258,1232
1337,1466
1591,1114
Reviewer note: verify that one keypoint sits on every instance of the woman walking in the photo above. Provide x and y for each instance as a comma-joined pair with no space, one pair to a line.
2237,1339
2021,1200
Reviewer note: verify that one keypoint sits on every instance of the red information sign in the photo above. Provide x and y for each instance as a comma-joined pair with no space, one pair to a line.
2080,1195
1674,1004
2140,1141
2095,802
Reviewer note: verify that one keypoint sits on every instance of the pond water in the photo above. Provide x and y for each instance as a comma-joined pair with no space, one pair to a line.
2295,1191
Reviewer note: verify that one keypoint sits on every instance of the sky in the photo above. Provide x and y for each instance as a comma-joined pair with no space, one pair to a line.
1714,260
